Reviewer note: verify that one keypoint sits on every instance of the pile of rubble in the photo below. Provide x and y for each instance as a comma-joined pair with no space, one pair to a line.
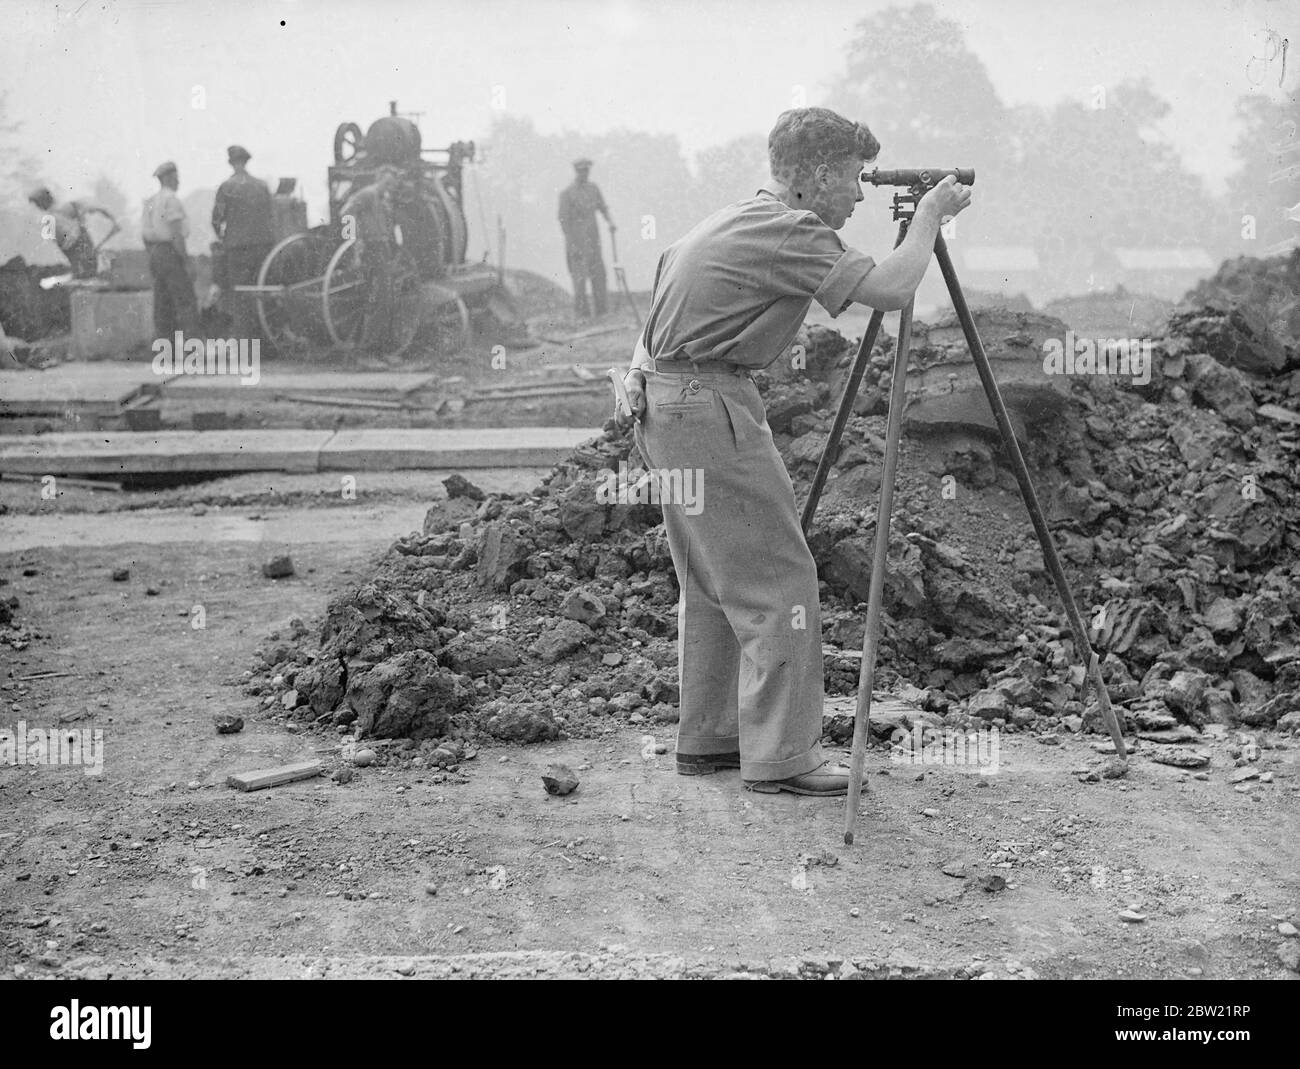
1173,501
1260,299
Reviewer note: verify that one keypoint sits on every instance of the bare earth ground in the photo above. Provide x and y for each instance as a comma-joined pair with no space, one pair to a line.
158,869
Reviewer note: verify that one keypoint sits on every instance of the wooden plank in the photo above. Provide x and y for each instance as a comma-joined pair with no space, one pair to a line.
343,401
536,393
273,777
591,332
125,452
486,447
67,480
226,387
72,386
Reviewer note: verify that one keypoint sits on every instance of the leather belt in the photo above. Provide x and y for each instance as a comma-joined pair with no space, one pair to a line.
699,367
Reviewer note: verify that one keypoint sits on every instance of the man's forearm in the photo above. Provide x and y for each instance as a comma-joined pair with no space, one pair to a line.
893,281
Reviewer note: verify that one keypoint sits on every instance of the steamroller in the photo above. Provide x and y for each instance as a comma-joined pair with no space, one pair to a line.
312,290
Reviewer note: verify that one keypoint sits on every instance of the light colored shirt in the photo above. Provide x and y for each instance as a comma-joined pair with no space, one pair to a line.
160,211
737,287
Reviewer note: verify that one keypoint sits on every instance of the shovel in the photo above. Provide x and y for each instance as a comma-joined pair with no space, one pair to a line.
621,275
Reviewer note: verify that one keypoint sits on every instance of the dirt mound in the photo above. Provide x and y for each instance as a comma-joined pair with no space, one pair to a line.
536,295
1173,502
982,299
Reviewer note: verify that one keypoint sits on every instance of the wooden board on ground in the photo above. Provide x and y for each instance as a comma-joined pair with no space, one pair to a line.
162,452
477,447
102,387
273,777
277,380
157,452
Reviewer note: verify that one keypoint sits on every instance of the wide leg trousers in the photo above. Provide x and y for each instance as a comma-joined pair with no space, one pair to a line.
175,307
749,635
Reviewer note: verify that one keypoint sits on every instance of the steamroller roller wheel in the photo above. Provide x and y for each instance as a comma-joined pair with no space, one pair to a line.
345,297
288,316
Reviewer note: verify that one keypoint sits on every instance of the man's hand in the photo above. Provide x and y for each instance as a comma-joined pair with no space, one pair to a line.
946,199
634,383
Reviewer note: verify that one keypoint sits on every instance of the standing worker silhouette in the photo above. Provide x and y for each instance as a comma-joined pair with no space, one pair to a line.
579,203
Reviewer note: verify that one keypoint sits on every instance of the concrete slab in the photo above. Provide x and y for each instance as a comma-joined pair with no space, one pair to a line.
478,447
124,452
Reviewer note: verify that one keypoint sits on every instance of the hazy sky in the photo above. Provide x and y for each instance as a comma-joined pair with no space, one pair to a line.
112,87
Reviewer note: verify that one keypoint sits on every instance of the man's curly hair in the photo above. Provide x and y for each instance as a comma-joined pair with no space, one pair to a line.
805,137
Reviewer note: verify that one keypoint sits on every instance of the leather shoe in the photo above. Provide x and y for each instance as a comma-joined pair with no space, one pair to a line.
825,781
704,764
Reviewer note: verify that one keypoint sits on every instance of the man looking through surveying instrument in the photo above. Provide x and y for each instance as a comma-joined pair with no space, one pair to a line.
728,298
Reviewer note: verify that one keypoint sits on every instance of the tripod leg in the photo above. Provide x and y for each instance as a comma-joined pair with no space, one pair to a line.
847,398
1050,557
875,594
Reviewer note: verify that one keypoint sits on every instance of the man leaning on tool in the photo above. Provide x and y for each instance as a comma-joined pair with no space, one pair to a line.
729,297
579,203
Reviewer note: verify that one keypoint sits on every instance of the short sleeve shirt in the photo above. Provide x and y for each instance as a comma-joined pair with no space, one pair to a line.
737,287
160,211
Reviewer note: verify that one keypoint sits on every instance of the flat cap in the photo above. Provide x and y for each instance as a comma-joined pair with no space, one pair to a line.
238,152
164,168
581,162
40,193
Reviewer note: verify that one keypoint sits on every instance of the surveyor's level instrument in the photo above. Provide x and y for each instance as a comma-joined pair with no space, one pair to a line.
918,182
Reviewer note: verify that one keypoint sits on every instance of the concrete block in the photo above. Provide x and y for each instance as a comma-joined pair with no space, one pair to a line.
108,323
126,269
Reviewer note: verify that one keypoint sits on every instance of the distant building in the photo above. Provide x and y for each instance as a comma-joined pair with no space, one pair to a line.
1163,272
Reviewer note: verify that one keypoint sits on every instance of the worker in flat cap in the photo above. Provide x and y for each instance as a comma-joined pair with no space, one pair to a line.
242,221
368,219
165,227
579,203
729,298
67,228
